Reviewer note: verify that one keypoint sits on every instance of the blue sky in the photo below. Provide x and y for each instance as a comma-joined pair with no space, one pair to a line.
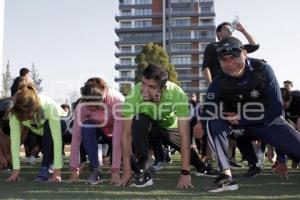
71,40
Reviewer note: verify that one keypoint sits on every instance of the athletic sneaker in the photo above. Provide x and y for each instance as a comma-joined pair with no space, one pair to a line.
31,160
142,179
234,164
224,183
207,170
51,169
7,168
252,171
158,165
94,178
149,163
43,175
167,156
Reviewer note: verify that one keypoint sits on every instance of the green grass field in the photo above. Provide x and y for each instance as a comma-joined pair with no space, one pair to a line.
266,186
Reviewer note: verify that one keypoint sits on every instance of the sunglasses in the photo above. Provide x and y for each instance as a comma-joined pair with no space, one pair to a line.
228,48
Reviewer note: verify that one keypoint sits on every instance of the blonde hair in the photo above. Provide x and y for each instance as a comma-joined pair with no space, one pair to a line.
26,100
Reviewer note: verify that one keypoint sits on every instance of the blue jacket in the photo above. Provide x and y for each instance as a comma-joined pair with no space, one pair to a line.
273,104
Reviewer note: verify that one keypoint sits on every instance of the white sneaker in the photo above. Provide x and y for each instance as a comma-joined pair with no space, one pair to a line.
31,160
51,169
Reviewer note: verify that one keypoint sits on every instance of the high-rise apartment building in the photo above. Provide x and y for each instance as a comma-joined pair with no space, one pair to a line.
182,27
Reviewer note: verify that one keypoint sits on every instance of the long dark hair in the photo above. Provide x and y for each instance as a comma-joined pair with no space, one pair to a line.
99,81
91,92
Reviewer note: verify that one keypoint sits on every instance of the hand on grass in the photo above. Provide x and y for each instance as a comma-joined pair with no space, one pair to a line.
15,176
115,179
185,182
74,177
56,177
125,180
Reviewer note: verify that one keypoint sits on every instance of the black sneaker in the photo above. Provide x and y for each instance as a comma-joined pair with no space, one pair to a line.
207,171
234,164
94,178
7,168
224,183
252,171
167,156
142,179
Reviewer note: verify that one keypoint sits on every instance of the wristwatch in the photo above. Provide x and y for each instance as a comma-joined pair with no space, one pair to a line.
185,172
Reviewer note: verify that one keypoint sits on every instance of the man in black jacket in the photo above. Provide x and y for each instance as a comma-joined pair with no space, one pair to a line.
24,72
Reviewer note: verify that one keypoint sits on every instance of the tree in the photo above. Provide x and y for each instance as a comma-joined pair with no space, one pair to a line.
6,82
35,78
153,53
125,88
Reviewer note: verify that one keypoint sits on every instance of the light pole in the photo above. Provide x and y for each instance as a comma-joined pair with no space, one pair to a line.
164,25
1,40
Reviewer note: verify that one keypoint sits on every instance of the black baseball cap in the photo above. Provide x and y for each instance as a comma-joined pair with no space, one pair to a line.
233,46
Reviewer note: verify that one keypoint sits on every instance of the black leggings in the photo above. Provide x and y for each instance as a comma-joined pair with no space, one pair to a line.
147,134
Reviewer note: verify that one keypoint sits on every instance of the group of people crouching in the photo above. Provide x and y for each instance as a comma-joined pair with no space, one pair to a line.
93,122
155,113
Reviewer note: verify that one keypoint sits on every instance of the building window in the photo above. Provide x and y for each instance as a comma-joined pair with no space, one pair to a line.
127,2
180,1
183,72
125,24
181,47
142,36
125,61
206,22
138,48
181,35
204,34
181,60
181,10
203,46
181,22
126,49
143,11
138,2
125,12
185,85
143,23
125,74
125,36
206,9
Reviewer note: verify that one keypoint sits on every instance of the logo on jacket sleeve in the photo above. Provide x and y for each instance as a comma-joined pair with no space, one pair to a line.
254,93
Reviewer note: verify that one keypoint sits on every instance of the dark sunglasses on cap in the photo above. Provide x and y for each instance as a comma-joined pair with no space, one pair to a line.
229,48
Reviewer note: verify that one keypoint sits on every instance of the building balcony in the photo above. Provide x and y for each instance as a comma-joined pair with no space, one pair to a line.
197,39
194,26
194,89
187,77
188,66
151,28
192,14
122,66
129,6
137,16
124,79
133,40
120,54
191,1
186,51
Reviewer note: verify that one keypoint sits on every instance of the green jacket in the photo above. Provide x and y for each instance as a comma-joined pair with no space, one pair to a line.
52,113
